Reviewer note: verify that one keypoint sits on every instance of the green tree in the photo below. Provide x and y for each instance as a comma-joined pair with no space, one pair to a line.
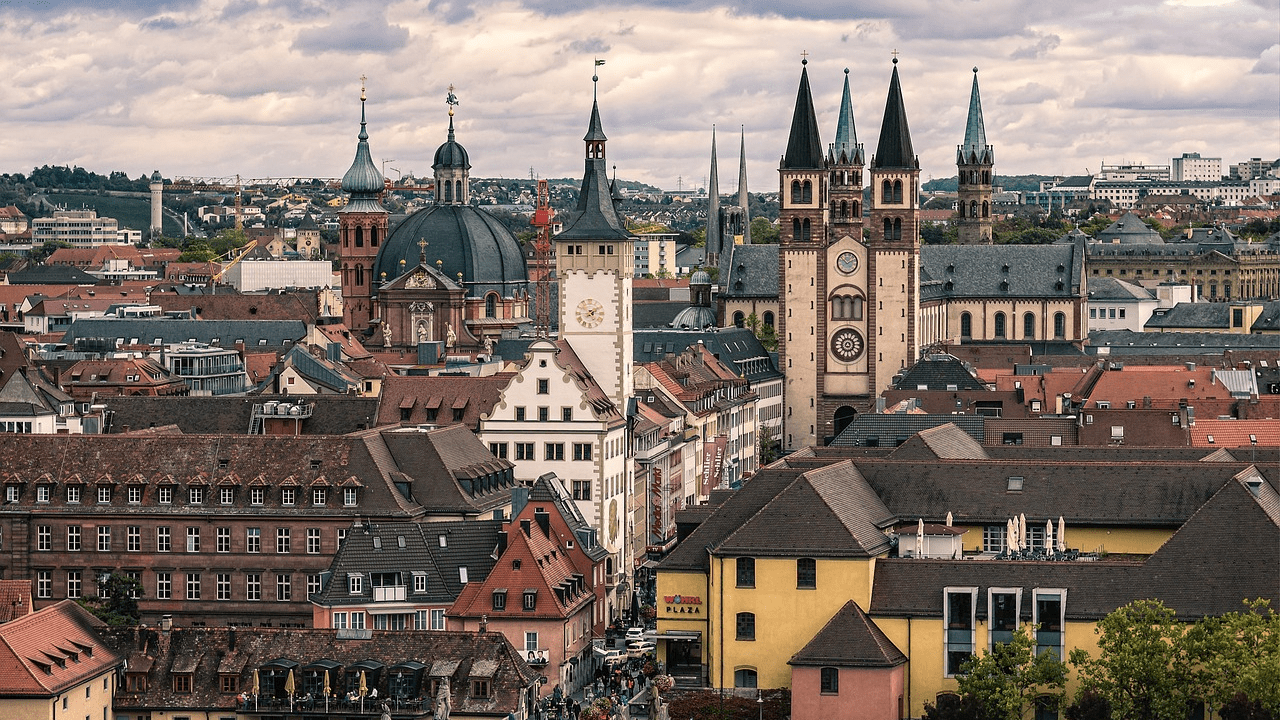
117,600
763,232
1142,669
37,256
197,251
699,236
1238,655
1005,681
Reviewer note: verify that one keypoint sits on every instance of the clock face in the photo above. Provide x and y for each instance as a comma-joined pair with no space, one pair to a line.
590,313
847,345
847,262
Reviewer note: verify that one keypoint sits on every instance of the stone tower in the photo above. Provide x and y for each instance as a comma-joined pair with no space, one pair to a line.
362,226
974,160
157,205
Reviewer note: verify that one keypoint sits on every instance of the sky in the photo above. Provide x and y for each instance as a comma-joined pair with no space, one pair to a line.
270,88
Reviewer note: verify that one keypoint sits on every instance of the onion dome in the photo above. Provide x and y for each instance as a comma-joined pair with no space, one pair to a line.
363,181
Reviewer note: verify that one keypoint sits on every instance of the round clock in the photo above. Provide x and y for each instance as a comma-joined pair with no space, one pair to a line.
847,345
847,262
590,313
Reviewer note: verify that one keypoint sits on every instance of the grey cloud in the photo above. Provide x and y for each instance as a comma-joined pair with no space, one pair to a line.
356,31
451,11
1046,44
1029,94
161,23
588,46
237,8
1268,63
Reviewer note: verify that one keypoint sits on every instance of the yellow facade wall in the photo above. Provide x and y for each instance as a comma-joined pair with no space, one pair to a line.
787,617
683,616
94,703
1140,541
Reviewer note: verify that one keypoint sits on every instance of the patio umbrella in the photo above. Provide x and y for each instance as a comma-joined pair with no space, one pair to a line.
290,686
1010,536
326,691
920,539
1062,535
949,518
255,689
1048,534
364,689
1024,537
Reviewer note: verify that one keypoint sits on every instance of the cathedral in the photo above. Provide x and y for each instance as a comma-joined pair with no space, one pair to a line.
449,273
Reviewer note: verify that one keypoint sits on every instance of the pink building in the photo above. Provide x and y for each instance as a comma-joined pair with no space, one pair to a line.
849,671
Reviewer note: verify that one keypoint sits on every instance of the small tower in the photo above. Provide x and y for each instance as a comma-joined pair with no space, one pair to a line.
452,167
845,157
714,241
744,198
157,204
974,160
362,226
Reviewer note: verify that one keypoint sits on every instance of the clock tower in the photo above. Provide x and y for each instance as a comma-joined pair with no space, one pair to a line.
595,264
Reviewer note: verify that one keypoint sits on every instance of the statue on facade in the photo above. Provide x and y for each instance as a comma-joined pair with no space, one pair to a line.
488,345
386,334
444,704
423,333
450,339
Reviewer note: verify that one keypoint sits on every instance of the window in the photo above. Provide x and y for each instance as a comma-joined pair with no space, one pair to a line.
544,414
318,496
44,583
182,683
524,451
193,539
257,496
164,586
284,587
44,538
1059,325
73,493
993,538
104,494
1000,331
73,583
42,494
420,582
193,586
491,306
582,451
554,451
73,538
830,682
226,495
195,496
498,450
104,538
1003,606
581,489
566,414
520,414
959,618
313,584
499,600
357,621
966,325
224,540
1029,326
349,496
313,541
746,572
746,624
282,540
253,540
288,496
340,621
480,687
1049,617
437,619
806,573
229,684
744,678
224,586
253,586
544,386
531,642
355,584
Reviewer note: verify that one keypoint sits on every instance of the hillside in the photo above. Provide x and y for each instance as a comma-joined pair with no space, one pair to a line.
1022,183
132,213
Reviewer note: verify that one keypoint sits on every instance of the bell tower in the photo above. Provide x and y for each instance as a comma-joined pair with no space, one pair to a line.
974,160
362,226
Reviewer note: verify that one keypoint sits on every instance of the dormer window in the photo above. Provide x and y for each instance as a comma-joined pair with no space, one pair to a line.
530,600
500,599
355,584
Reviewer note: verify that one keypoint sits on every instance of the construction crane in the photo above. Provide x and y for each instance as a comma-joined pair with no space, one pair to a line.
233,258
542,216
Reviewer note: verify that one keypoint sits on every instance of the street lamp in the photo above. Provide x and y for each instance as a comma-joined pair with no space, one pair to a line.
760,702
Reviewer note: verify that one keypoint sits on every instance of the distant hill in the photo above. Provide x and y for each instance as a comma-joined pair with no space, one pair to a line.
1020,183
133,213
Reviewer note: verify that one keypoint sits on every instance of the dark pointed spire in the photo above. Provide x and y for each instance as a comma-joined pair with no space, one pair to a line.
804,147
362,180
975,148
714,238
846,145
894,149
744,198
596,216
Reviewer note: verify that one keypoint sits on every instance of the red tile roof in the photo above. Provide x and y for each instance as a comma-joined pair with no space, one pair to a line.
15,599
1236,433
47,652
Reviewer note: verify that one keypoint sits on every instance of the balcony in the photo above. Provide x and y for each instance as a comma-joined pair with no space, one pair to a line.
389,593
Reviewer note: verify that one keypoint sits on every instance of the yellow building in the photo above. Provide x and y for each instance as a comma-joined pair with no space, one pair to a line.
55,666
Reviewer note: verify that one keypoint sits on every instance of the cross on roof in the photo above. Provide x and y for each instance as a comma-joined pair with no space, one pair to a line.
422,250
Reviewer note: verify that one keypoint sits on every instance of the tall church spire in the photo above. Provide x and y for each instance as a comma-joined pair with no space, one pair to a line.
846,143
744,198
715,237
974,161
595,217
804,147
894,149
975,148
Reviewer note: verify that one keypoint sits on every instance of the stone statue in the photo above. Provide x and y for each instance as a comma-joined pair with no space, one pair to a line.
386,334
444,704
488,345
423,335
450,338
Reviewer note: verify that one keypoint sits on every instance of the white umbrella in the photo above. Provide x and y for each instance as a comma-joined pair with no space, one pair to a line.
1048,534
920,539
1062,535
1010,536
1024,537
949,518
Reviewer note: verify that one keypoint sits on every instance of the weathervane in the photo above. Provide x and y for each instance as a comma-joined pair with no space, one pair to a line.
595,78
451,100
362,80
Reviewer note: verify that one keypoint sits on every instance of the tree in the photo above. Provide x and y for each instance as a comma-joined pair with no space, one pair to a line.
117,600
699,236
763,232
1004,682
37,256
1236,656
1089,706
1142,669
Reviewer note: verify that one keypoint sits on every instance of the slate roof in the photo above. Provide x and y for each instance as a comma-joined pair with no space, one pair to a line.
804,147
239,651
295,305
944,442
1130,229
737,347
254,333
466,240
419,393
656,314
1001,271
331,375
450,470
595,217
1109,288
50,651
1209,316
332,414
894,149
939,371
887,429
850,639
51,275
753,272
550,489
469,544
1120,342
840,513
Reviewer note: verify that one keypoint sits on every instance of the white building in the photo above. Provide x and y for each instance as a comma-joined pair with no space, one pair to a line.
656,254
1118,305
1193,168
79,228
257,275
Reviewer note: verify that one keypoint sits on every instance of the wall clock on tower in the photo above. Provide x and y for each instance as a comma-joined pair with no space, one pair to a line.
590,313
847,262
847,345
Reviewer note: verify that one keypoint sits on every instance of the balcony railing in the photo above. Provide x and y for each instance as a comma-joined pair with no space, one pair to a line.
389,593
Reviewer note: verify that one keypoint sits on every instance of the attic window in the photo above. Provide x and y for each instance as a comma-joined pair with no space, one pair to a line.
462,574
1015,483
377,543
515,564
1210,439
444,541
400,542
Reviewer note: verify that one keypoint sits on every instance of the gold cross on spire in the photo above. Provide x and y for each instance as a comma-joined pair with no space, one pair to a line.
422,250
362,80
895,54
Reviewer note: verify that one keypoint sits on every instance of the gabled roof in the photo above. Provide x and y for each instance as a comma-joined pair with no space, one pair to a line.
737,347
254,333
939,371
753,272
51,651
888,429
1001,271
1200,315
1130,229
450,470
944,442
417,395
51,275
850,639
15,599
1109,288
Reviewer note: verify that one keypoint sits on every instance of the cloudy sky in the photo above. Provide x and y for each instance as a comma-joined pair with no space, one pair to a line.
271,87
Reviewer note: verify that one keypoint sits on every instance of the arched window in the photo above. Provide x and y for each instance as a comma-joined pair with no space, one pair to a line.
886,192
795,229
986,177
738,319
448,191
966,325
359,237
856,308
806,573
897,191
491,305
1000,332
746,625
795,191
808,192
857,209
359,275
888,229
806,230
373,237
1029,326
458,191
768,318
830,681
973,208
897,228
1059,325
844,209
844,415
744,677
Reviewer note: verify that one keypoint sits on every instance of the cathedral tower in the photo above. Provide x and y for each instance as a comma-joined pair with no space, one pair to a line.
452,167
974,160
845,157
362,226
714,241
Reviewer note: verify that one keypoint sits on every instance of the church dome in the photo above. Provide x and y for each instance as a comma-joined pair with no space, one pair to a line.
466,240
451,154
695,317
699,277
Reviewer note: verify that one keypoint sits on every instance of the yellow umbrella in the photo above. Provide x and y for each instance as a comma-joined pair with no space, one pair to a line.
364,689
255,681
326,682
289,685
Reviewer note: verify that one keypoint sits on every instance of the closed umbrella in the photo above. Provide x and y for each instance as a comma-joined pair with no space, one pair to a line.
1062,535
290,686
949,518
326,691
364,689
1048,535
920,539
1024,537
255,689
1010,536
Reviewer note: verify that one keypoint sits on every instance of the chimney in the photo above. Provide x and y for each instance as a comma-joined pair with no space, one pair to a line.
519,499
484,623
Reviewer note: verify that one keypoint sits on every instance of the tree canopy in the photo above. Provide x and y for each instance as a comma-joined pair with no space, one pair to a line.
117,600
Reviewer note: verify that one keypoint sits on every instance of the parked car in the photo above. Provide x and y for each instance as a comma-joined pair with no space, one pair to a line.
635,633
639,649
613,657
